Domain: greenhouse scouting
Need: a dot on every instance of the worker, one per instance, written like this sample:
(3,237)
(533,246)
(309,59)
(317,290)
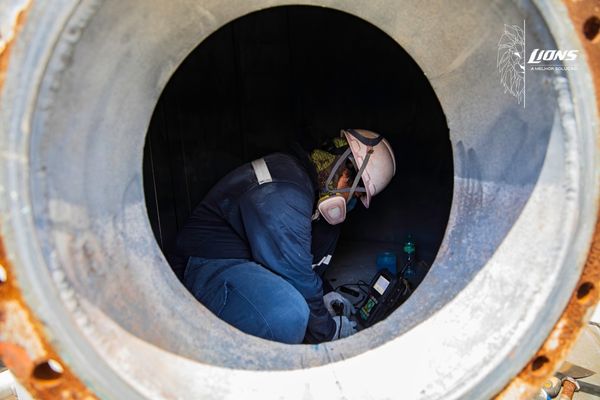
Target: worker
(260,239)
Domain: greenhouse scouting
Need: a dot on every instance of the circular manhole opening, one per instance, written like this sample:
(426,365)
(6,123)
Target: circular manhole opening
(290,78)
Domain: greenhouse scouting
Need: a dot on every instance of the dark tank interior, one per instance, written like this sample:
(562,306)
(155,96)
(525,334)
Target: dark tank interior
(300,74)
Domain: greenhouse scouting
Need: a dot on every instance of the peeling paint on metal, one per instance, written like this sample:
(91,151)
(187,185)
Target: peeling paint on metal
(23,346)
(12,16)
(566,331)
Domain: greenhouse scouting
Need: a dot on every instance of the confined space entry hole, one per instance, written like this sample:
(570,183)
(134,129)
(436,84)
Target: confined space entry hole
(584,290)
(222,128)
(537,366)
(48,370)
(591,27)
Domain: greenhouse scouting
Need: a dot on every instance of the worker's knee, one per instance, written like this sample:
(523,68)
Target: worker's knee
(251,298)
(288,318)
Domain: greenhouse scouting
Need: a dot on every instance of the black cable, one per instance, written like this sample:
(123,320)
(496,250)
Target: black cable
(338,307)
(361,298)
(359,284)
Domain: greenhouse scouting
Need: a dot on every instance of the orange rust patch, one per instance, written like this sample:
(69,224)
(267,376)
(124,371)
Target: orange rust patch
(23,346)
(16,357)
(5,53)
(566,331)
(584,14)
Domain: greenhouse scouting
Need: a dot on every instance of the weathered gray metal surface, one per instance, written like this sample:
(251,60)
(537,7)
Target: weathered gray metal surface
(8,15)
(75,226)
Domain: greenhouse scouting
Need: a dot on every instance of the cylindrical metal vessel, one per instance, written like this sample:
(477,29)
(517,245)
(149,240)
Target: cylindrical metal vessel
(90,306)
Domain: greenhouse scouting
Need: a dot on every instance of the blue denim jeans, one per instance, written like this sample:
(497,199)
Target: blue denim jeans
(249,297)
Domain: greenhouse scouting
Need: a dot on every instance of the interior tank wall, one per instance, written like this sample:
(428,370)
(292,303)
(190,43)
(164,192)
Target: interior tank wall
(92,221)
(78,230)
(264,81)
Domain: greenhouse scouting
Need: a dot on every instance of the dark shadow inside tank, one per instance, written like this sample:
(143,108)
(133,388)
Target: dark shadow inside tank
(300,74)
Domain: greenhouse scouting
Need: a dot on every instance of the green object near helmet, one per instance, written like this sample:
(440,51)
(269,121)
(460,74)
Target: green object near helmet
(322,159)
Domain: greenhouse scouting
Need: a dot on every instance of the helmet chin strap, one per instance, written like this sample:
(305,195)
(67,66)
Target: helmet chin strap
(360,172)
(335,168)
(337,165)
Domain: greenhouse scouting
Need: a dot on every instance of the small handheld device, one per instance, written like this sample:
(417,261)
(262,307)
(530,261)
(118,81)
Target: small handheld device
(386,292)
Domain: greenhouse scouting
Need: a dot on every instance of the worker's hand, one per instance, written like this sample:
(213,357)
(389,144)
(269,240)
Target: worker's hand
(331,298)
(343,327)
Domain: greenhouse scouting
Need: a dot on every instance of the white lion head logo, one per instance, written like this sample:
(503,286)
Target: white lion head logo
(511,61)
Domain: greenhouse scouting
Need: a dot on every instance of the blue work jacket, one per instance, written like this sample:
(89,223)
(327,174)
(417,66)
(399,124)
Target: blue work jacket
(270,224)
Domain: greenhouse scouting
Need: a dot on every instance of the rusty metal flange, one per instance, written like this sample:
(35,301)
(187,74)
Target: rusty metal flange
(27,351)
(585,19)
(24,348)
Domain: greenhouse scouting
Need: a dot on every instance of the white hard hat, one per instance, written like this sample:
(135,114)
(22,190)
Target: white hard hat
(381,163)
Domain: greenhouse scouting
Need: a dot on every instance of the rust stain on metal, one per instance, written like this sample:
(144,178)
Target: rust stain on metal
(7,42)
(566,331)
(583,14)
(570,386)
(23,346)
